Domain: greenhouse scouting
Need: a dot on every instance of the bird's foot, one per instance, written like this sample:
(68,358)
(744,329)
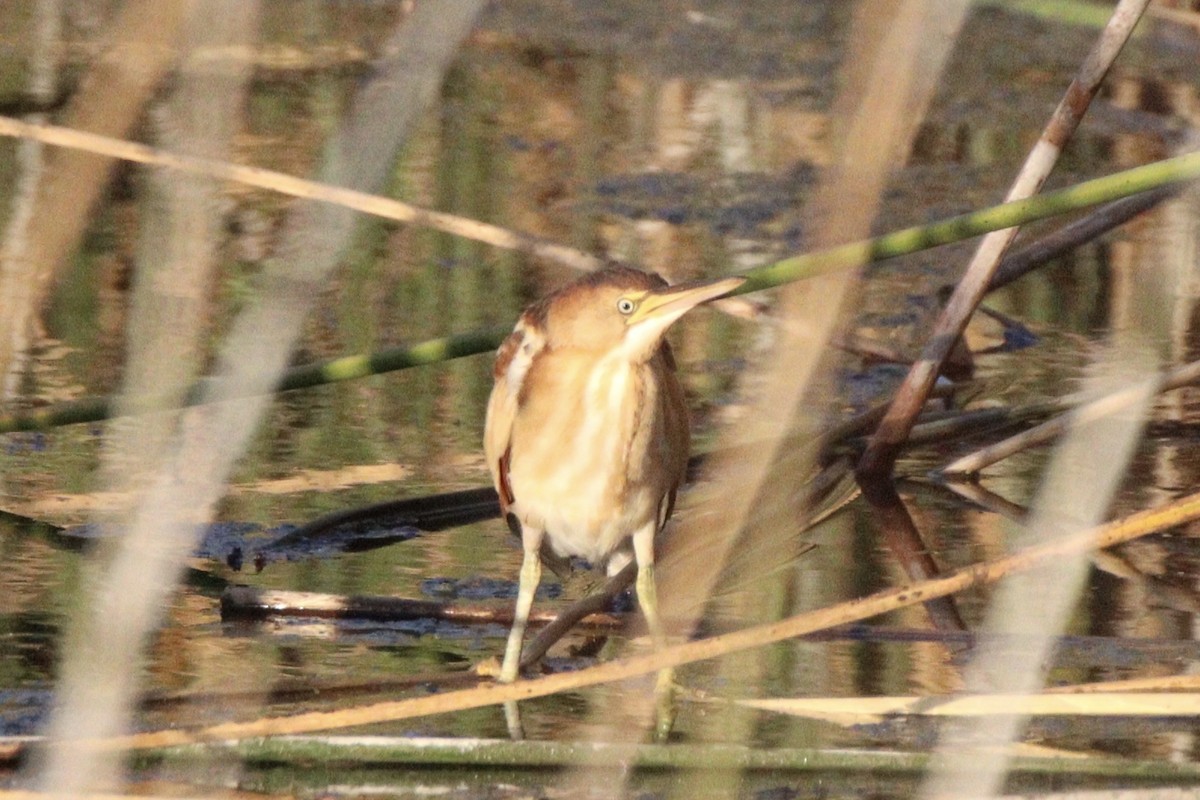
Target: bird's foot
(488,668)
(665,706)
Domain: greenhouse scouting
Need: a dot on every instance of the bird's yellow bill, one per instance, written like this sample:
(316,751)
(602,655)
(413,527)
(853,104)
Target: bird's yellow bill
(673,301)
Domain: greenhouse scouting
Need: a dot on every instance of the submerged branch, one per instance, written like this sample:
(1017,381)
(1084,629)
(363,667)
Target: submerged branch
(1144,523)
(246,602)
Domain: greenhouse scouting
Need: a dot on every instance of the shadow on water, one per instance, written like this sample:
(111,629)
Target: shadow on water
(685,143)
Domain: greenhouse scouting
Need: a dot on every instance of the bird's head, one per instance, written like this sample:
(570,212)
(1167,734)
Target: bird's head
(623,309)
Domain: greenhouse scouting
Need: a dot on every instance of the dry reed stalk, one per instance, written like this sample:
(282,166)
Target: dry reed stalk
(385,208)
(881,453)
(159,534)
(177,254)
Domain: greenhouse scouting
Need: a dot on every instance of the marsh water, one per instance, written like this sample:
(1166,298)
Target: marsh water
(684,139)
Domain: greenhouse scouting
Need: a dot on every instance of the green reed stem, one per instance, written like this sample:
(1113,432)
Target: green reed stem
(903,242)
(967,226)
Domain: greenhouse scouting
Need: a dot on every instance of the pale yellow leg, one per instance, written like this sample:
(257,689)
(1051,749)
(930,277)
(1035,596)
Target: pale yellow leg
(531,576)
(647,592)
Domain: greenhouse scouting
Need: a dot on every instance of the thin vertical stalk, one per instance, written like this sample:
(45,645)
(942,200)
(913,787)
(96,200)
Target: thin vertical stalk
(141,47)
(757,503)
(972,757)
(161,530)
(176,256)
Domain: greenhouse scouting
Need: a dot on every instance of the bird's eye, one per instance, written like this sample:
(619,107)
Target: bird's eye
(626,306)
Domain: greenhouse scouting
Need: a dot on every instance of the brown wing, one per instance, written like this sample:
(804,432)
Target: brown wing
(679,429)
(666,508)
(512,363)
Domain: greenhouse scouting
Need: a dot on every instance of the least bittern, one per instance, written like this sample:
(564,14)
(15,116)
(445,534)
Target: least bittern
(587,429)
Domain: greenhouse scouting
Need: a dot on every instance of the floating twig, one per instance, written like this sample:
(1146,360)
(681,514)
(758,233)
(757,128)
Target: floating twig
(857,710)
(248,602)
